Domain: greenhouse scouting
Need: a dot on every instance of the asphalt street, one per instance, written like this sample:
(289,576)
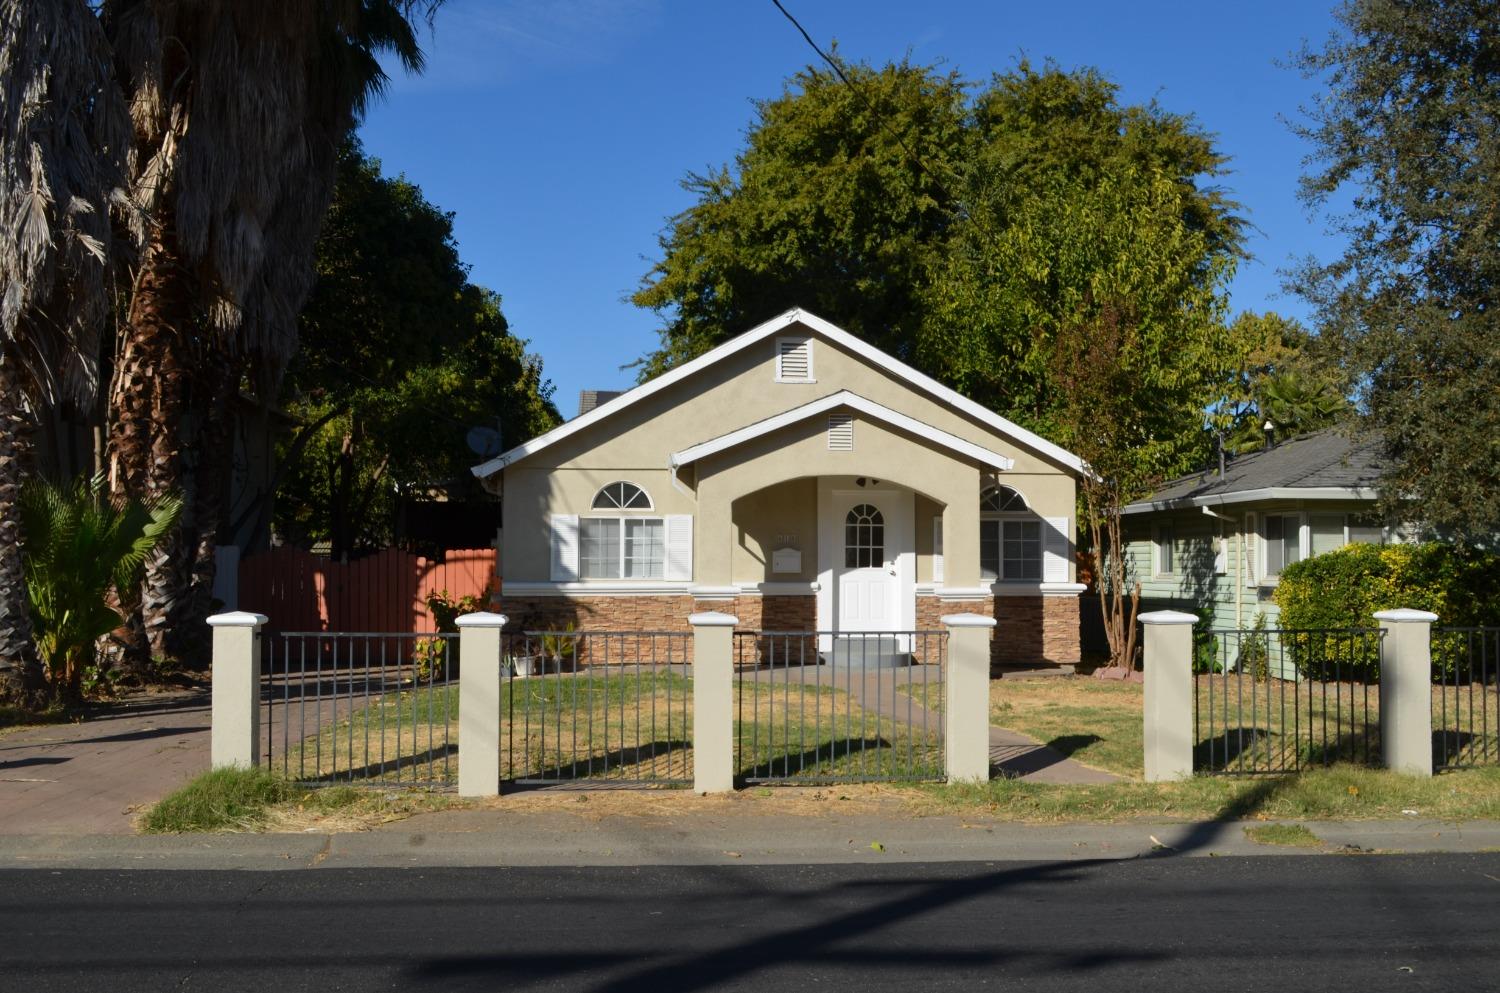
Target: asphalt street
(1368,923)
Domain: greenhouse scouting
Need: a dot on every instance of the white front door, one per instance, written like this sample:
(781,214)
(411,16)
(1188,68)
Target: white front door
(869,582)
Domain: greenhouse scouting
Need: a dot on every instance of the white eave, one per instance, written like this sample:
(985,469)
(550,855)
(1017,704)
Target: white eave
(834,334)
(1262,495)
(843,399)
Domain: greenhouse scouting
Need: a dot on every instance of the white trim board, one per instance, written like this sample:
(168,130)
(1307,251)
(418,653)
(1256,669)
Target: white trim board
(853,401)
(759,333)
(1265,493)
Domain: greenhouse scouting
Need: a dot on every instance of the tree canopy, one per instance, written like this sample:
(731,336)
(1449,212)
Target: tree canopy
(400,356)
(958,227)
(1407,125)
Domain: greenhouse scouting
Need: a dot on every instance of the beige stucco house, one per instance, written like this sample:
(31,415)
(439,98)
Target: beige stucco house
(803,481)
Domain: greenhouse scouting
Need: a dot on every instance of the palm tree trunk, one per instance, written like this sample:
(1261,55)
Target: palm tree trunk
(148,400)
(21,677)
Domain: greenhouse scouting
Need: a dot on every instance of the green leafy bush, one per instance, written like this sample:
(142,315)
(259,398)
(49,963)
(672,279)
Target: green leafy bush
(82,548)
(1344,588)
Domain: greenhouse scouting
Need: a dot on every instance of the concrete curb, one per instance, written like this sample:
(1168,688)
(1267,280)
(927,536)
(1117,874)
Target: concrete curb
(560,840)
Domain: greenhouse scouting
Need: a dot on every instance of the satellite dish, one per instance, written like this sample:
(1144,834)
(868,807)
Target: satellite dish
(484,442)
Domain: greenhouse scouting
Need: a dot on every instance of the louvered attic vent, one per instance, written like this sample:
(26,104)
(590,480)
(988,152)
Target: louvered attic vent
(840,433)
(794,360)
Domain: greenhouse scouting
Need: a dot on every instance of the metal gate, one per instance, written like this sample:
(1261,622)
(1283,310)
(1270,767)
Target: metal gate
(597,707)
(839,708)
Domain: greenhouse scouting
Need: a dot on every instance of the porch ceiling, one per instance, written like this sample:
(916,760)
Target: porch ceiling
(844,399)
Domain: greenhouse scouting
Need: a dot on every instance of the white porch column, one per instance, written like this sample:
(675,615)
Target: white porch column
(234,738)
(1406,690)
(966,705)
(713,701)
(1169,694)
(479,653)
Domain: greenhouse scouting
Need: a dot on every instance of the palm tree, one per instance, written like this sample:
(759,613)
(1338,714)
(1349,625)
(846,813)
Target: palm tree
(239,112)
(63,133)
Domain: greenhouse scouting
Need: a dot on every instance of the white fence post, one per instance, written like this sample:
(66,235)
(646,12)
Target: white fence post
(713,701)
(234,739)
(479,703)
(1406,690)
(1168,711)
(966,705)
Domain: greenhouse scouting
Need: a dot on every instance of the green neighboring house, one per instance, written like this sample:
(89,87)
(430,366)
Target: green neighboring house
(1213,542)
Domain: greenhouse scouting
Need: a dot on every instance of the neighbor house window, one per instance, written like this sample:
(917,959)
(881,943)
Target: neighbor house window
(1283,542)
(624,545)
(1165,562)
(1010,537)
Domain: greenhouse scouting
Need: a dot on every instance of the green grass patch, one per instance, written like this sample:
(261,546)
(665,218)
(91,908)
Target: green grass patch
(13,719)
(1286,835)
(1340,792)
(219,800)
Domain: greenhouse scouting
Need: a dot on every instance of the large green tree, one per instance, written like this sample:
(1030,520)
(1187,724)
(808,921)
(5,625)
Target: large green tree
(839,202)
(930,224)
(1279,374)
(400,355)
(1409,127)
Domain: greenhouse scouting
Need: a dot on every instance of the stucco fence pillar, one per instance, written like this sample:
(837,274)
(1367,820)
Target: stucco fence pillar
(1406,690)
(479,653)
(966,704)
(234,736)
(1168,711)
(713,701)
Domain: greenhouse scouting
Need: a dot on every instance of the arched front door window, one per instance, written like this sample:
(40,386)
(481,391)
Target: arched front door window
(864,538)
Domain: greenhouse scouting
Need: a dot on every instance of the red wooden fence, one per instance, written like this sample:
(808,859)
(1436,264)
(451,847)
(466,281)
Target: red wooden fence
(385,592)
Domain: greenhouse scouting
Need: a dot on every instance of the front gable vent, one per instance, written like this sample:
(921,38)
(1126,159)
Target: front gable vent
(794,360)
(840,433)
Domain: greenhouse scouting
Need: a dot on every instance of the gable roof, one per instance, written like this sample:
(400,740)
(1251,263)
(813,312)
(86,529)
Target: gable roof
(759,333)
(1324,465)
(853,401)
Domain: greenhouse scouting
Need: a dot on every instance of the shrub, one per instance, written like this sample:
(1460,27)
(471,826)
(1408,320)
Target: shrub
(1343,589)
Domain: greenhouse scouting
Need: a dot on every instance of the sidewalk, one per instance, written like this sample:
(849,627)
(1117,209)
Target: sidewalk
(501,838)
(89,778)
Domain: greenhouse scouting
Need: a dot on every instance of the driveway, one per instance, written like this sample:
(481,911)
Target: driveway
(89,778)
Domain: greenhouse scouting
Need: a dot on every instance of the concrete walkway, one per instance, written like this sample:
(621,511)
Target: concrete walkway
(89,778)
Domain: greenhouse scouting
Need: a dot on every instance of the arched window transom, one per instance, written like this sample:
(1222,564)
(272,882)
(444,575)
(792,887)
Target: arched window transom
(1000,500)
(622,496)
(864,538)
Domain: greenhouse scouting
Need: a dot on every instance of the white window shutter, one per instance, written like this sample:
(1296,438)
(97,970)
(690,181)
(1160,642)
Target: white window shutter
(937,549)
(1057,545)
(840,433)
(679,547)
(564,529)
(1251,550)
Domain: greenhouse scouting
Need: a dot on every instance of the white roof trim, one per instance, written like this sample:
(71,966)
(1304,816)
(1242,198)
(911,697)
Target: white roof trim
(759,333)
(1254,496)
(853,401)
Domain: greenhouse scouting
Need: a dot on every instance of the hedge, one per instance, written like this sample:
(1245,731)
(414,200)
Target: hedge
(1344,588)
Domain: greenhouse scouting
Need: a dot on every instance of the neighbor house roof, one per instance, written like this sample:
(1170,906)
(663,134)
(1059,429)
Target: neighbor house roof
(1325,465)
(835,401)
(817,324)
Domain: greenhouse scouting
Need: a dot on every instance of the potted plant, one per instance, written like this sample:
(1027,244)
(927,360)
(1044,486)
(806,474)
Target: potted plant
(560,648)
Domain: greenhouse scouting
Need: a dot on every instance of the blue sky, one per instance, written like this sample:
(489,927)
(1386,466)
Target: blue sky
(558,131)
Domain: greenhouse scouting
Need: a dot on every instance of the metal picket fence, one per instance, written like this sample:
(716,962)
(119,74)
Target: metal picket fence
(814,708)
(1280,700)
(360,707)
(597,707)
(1466,697)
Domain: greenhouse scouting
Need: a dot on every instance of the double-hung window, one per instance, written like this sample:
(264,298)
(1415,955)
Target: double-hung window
(1010,537)
(617,542)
